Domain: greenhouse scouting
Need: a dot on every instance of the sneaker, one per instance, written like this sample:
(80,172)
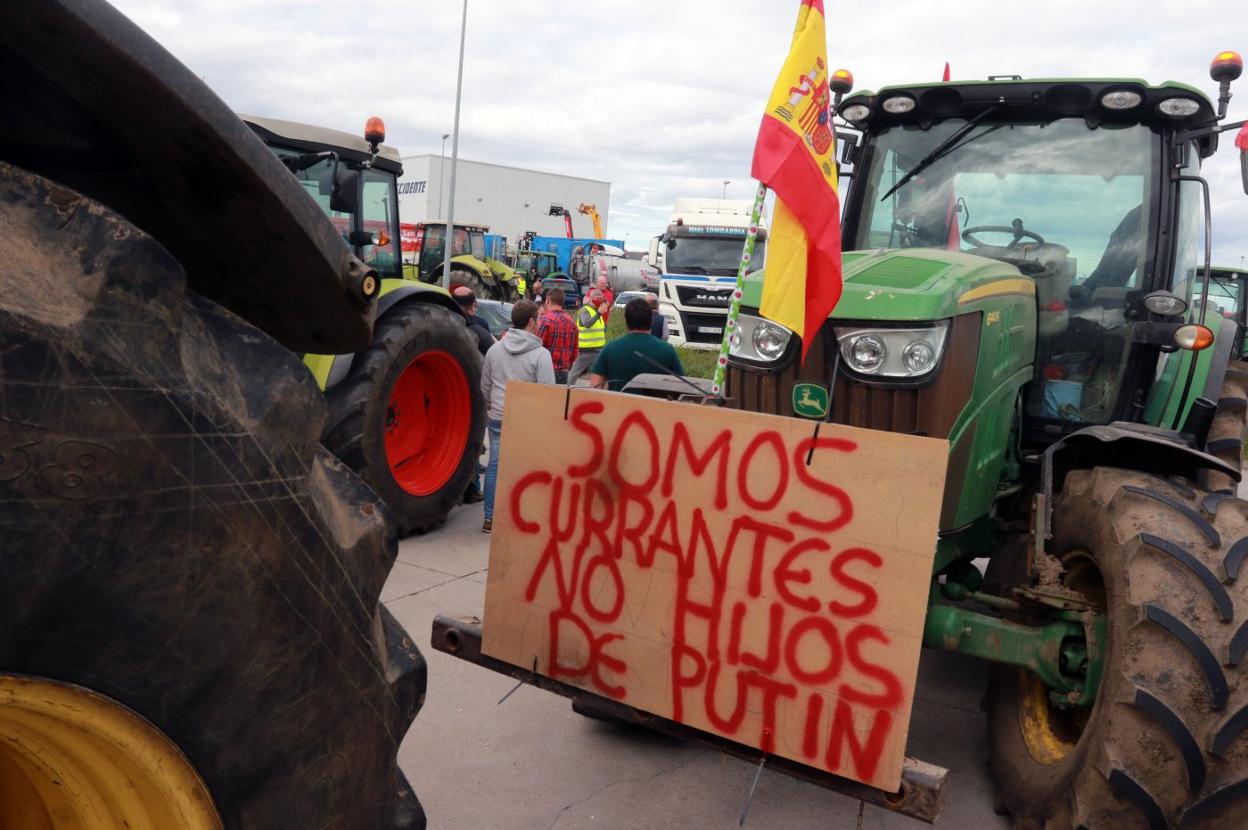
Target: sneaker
(473,497)
(485,528)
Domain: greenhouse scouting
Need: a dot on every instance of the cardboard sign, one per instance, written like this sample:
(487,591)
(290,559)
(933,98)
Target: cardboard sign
(739,573)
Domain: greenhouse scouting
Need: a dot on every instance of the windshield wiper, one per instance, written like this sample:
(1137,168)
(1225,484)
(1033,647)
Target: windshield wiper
(942,149)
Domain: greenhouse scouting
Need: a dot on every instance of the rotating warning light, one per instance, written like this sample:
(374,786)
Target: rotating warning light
(374,131)
(1226,67)
(841,82)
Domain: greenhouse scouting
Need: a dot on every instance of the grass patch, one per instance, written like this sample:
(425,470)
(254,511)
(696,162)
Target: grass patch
(698,363)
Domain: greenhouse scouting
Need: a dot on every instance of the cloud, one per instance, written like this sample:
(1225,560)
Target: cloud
(658,97)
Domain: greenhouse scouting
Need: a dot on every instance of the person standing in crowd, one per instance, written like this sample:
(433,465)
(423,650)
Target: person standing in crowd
(518,356)
(608,296)
(591,329)
(533,287)
(658,326)
(480,329)
(558,333)
(635,353)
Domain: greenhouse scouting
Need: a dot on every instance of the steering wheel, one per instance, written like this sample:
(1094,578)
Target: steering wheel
(1016,229)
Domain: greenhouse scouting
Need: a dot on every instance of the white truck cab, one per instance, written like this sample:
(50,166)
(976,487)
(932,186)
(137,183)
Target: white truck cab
(698,257)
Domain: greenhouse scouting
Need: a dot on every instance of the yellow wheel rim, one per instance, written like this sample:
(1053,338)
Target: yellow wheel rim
(1051,734)
(71,759)
(1035,719)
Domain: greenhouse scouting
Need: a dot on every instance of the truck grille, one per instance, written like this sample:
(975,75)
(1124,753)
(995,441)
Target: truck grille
(702,328)
(695,296)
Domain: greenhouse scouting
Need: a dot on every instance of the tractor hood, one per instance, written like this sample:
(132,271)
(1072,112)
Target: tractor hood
(92,102)
(912,284)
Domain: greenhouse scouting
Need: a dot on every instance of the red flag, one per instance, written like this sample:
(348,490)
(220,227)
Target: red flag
(795,157)
(946,76)
(1241,140)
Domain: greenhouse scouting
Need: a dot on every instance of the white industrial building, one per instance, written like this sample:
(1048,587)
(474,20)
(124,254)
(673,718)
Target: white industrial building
(510,200)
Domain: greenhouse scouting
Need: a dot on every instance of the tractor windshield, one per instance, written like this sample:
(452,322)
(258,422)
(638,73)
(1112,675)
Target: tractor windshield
(379,217)
(1058,183)
(543,264)
(468,241)
(1064,203)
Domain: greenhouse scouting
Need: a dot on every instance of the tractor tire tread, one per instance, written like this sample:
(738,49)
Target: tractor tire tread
(1229,730)
(1158,750)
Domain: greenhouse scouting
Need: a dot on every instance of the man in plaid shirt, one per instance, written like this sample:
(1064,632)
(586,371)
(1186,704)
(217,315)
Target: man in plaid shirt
(558,332)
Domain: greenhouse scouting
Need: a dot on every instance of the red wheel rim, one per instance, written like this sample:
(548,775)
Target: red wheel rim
(427,420)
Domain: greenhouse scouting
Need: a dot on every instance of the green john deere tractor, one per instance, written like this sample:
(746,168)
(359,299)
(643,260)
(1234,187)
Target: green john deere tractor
(1023,262)
(470,265)
(407,412)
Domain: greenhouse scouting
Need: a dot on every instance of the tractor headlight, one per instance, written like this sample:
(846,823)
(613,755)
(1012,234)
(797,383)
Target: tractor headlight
(898,104)
(867,353)
(907,354)
(1179,107)
(1121,99)
(856,113)
(759,340)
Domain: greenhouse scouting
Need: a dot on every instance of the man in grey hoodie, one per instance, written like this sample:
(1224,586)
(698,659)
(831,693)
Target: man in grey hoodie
(519,355)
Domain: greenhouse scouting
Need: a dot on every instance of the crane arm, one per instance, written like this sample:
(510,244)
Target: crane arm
(592,212)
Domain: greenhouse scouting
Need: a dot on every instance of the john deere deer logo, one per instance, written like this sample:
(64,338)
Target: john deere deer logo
(810,400)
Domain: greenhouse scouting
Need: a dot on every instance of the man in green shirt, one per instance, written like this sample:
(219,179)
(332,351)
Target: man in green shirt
(636,353)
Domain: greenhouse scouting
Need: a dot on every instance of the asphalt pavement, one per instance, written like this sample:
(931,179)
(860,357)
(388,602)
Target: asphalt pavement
(533,763)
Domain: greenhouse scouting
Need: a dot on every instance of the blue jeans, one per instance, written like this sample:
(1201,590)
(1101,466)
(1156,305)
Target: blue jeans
(491,472)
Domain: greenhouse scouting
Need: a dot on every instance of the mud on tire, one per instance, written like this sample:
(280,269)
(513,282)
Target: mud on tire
(175,537)
(1166,743)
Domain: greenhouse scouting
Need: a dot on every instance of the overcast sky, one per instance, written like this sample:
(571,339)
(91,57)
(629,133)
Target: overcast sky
(660,97)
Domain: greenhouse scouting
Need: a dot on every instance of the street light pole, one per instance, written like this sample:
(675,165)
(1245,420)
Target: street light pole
(726,183)
(450,210)
(442,177)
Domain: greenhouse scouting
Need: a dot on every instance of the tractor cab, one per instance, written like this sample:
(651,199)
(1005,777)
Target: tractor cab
(536,263)
(1081,187)
(471,263)
(1021,262)
(467,240)
(354,180)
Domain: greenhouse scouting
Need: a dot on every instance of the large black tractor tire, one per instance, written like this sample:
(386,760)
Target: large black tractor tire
(1166,743)
(174,537)
(1230,424)
(410,416)
(471,279)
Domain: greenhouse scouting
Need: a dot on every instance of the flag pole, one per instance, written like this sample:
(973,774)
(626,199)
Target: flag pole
(734,307)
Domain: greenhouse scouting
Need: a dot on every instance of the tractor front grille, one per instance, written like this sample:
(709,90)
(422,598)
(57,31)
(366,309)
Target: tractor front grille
(929,410)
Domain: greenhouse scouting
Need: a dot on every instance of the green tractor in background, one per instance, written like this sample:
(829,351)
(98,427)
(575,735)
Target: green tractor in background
(489,278)
(1023,267)
(1229,297)
(406,413)
(534,266)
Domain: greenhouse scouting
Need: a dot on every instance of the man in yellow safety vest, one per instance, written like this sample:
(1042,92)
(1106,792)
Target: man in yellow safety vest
(591,331)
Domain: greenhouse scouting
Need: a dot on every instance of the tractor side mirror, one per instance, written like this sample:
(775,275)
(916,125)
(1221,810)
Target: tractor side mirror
(345,196)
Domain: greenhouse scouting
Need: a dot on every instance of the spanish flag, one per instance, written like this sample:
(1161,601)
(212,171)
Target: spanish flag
(795,157)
